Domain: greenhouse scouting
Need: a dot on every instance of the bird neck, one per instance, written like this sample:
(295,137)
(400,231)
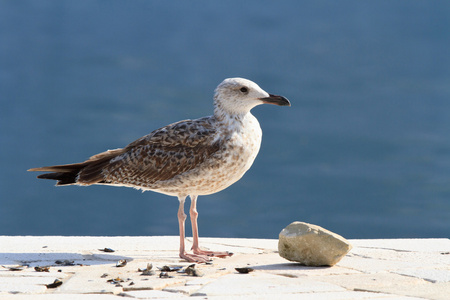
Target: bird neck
(226,117)
(235,122)
(223,114)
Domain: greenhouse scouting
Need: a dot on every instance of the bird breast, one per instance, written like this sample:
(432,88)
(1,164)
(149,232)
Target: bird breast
(240,143)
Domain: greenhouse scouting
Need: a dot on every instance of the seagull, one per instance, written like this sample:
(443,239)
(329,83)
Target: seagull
(187,158)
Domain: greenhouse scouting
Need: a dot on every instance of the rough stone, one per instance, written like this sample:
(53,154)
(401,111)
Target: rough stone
(312,245)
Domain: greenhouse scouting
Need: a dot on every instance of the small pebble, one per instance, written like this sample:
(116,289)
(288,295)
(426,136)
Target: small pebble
(147,271)
(107,250)
(55,284)
(42,269)
(115,280)
(149,267)
(245,270)
(170,269)
(192,271)
(121,263)
(165,275)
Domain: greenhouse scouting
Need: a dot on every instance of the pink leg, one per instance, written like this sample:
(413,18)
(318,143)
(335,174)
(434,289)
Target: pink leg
(195,247)
(181,220)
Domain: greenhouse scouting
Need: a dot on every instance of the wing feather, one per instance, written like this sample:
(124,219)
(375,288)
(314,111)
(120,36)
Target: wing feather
(159,156)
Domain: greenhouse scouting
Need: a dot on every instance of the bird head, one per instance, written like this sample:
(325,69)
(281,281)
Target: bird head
(239,96)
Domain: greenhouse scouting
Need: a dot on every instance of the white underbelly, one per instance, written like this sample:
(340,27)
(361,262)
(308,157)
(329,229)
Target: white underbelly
(216,174)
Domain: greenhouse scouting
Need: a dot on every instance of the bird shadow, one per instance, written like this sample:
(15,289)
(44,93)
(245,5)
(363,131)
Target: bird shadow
(59,259)
(288,267)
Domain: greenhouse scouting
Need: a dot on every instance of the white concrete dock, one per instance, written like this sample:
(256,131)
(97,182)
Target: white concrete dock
(374,269)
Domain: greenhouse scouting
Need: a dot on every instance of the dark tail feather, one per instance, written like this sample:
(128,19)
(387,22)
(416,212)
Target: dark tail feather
(65,174)
(63,178)
(84,173)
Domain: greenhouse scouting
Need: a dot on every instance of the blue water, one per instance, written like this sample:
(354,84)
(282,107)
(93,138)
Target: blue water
(364,150)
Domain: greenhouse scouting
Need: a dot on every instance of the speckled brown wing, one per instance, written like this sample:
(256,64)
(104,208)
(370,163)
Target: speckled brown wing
(159,156)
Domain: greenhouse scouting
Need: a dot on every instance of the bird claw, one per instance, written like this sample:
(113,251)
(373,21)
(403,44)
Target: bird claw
(195,258)
(222,254)
(203,256)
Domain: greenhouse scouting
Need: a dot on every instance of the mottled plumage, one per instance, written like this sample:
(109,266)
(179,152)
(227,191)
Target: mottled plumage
(191,157)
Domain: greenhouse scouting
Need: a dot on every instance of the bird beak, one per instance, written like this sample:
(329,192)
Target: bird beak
(277,100)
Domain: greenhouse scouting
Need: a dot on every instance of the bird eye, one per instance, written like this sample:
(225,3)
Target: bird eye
(244,89)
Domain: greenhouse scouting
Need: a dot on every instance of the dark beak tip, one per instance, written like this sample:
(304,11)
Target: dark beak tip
(276,100)
(287,103)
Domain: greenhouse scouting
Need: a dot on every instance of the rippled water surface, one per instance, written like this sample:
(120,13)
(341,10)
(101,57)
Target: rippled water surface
(363,151)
